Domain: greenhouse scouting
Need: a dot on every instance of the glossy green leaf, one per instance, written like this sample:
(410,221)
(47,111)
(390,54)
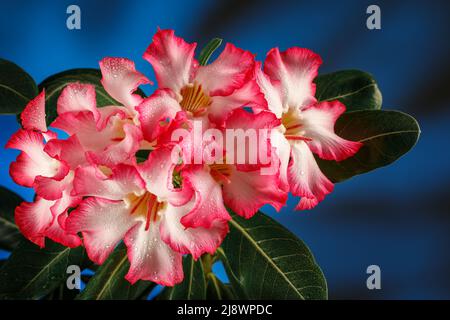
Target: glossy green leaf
(208,50)
(109,281)
(142,155)
(56,83)
(217,290)
(62,293)
(357,90)
(17,88)
(10,235)
(264,260)
(386,135)
(193,286)
(32,273)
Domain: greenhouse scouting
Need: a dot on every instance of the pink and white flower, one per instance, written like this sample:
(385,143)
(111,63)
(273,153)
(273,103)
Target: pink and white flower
(48,172)
(210,91)
(160,208)
(307,125)
(234,175)
(142,207)
(109,135)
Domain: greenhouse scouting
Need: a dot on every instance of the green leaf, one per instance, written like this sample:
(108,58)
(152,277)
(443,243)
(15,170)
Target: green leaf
(10,235)
(208,50)
(62,293)
(56,83)
(142,155)
(17,88)
(32,273)
(357,90)
(109,281)
(264,260)
(217,290)
(386,136)
(193,286)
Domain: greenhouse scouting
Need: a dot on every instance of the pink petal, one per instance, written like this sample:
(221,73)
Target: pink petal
(57,231)
(258,128)
(295,69)
(33,161)
(318,124)
(49,135)
(242,119)
(151,258)
(172,59)
(109,112)
(77,97)
(121,151)
(66,201)
(52,189)
(33,219)
(84,126)
(103,224)
(249,95)
(230,71)
(115,143)
(125,179)
(33,116)
(156,113)
(305,178)
(70,151)
(58,234)
(248,191)
(283,152)
(208,200)
(165,136)
(120,79)
(271,91)
(157,173)
(195,241)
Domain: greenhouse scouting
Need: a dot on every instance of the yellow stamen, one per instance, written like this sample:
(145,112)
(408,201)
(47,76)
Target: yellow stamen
(221,172)
(293,123)
(194,100)
(146,206)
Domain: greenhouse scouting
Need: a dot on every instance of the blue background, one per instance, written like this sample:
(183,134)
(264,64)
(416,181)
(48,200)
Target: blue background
(395,217)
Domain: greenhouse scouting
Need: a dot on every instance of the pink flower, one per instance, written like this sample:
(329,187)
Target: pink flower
(48,169)
(307,125)
(109,135)
(230,175)
(164,208)
(211,91)
(142,207)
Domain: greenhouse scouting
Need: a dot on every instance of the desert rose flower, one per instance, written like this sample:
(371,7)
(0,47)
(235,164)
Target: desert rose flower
(111,134)
(307,125)
(232,158)
(210,91)
(46,167)
(142,207)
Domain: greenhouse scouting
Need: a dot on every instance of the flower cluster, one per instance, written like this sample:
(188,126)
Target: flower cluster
(173,202)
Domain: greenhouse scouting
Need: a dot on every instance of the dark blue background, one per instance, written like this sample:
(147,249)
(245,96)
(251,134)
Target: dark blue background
(396,217)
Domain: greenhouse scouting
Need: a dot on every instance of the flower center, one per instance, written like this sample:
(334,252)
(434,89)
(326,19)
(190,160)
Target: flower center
(194,99)
(118,130)
(220,172)
(146,206)
(293,125)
